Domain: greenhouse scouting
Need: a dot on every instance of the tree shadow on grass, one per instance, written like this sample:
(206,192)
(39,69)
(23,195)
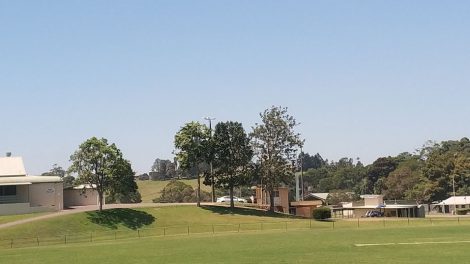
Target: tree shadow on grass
(224,210)
(129,218)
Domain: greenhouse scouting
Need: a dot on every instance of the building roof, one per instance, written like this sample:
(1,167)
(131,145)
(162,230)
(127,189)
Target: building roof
(456,200)
(23,180)
(319,196)
(11,166)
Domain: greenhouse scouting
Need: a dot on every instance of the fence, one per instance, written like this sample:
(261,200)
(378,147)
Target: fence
(187,230)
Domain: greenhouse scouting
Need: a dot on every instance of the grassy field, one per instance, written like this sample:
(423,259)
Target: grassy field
(151,189)
(430,244)
(173,217)
(187,234)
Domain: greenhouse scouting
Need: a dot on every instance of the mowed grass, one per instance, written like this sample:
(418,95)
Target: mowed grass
(11,218)
(150,190)
(175,218)
(305,246)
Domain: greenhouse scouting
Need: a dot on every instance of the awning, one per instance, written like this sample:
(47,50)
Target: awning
(14,183)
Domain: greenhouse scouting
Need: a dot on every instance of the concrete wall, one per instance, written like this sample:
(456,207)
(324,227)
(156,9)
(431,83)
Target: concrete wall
(74,197)
(46,196)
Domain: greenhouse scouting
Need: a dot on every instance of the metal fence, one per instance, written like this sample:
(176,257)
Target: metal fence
(187,230)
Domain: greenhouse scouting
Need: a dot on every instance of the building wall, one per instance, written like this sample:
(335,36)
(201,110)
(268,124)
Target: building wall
(74,197)
(14,208)
(46,196)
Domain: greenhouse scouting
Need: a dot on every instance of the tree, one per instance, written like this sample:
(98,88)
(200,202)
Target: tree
(123,187)
(55,171)
(191,143)
(100,165)
(179,192)
(276,144)
(232,155)
(59,171)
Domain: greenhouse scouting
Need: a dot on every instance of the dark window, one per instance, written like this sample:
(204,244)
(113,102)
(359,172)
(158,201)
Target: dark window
(9,190)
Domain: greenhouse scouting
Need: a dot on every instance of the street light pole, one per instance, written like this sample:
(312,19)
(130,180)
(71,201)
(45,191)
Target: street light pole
(210,162)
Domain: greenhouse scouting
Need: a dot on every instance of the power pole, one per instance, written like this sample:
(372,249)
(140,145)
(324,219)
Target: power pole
(210,162)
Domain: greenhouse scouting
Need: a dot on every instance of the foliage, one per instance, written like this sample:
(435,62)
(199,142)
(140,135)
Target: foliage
(163,169)
(276,144)
(102,166)
(55,171)
(336,197)
(232,156)
(321,213)
(180,192)
(193,147)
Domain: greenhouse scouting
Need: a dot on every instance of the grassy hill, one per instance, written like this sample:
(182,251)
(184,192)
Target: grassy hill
(151,189)
(124,220)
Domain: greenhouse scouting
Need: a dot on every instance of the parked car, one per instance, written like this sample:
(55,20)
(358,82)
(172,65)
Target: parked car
(374,214)
(224,199)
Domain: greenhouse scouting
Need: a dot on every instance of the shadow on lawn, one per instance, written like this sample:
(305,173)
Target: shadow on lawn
(129,218)
(243,211)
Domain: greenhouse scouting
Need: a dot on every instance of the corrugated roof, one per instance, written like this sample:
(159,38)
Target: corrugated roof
(11,166)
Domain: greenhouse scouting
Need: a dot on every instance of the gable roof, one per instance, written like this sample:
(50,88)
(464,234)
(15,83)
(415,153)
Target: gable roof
(12,166)
(457,200)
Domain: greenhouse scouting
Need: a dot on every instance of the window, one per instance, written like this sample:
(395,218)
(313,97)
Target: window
(9,190)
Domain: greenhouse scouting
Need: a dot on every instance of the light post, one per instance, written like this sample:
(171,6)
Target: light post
(210,161)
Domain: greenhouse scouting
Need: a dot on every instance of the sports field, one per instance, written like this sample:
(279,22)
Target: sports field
(377,241)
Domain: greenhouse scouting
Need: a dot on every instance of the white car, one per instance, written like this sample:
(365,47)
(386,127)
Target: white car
(224,199)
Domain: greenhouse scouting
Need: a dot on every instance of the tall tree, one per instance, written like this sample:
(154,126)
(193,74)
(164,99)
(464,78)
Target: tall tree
(276,144)
(191,143)
(98,164)
(232,156)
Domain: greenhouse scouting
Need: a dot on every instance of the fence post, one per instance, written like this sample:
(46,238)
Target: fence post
(310,223)
(358,223)
(91,236)
(138,233)
(333,224)
(11,243)
(238,228)
(188,230)
(286,226)
(164,231)
(408,221)
(213,231)
(65,239)
(261,225)
(458,220)
(384,222)
(37,241)
(115,235)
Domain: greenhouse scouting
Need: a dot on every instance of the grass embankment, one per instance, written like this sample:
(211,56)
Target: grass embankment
(150,190)
(11,218)
(174,217)
(306,246)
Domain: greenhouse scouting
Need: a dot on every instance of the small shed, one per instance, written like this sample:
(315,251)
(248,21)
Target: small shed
(81,195)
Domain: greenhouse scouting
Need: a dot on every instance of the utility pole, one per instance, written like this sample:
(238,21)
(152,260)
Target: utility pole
(210,162)
(302,172)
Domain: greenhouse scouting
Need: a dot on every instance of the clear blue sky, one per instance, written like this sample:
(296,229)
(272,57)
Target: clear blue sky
(364,78)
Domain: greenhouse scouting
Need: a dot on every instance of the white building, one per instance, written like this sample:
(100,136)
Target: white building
(21,193)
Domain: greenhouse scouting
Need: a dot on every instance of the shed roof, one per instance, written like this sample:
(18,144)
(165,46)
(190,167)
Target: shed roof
(22,180)
(11,166)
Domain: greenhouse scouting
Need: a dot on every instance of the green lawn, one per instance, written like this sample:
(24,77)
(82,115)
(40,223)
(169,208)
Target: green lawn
(297,246)
(11,218)
(151,189)
(175,218)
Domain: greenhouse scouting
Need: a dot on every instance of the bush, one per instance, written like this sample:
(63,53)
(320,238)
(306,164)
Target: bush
(462,211)
(321,213)
(180,192)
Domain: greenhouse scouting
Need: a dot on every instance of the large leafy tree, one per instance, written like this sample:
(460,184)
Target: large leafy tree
(276,144)
(232,154)
(191,143)
(100,165)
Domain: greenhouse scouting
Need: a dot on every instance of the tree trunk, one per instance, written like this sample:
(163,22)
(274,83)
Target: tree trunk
(198,192)
(271,201)
(100,200)
(232,204)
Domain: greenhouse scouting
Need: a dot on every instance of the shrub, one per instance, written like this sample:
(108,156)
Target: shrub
(462,211)
(180,192)
(321,213)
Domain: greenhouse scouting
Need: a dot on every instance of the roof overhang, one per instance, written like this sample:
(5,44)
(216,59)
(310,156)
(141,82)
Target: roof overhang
(14,183)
